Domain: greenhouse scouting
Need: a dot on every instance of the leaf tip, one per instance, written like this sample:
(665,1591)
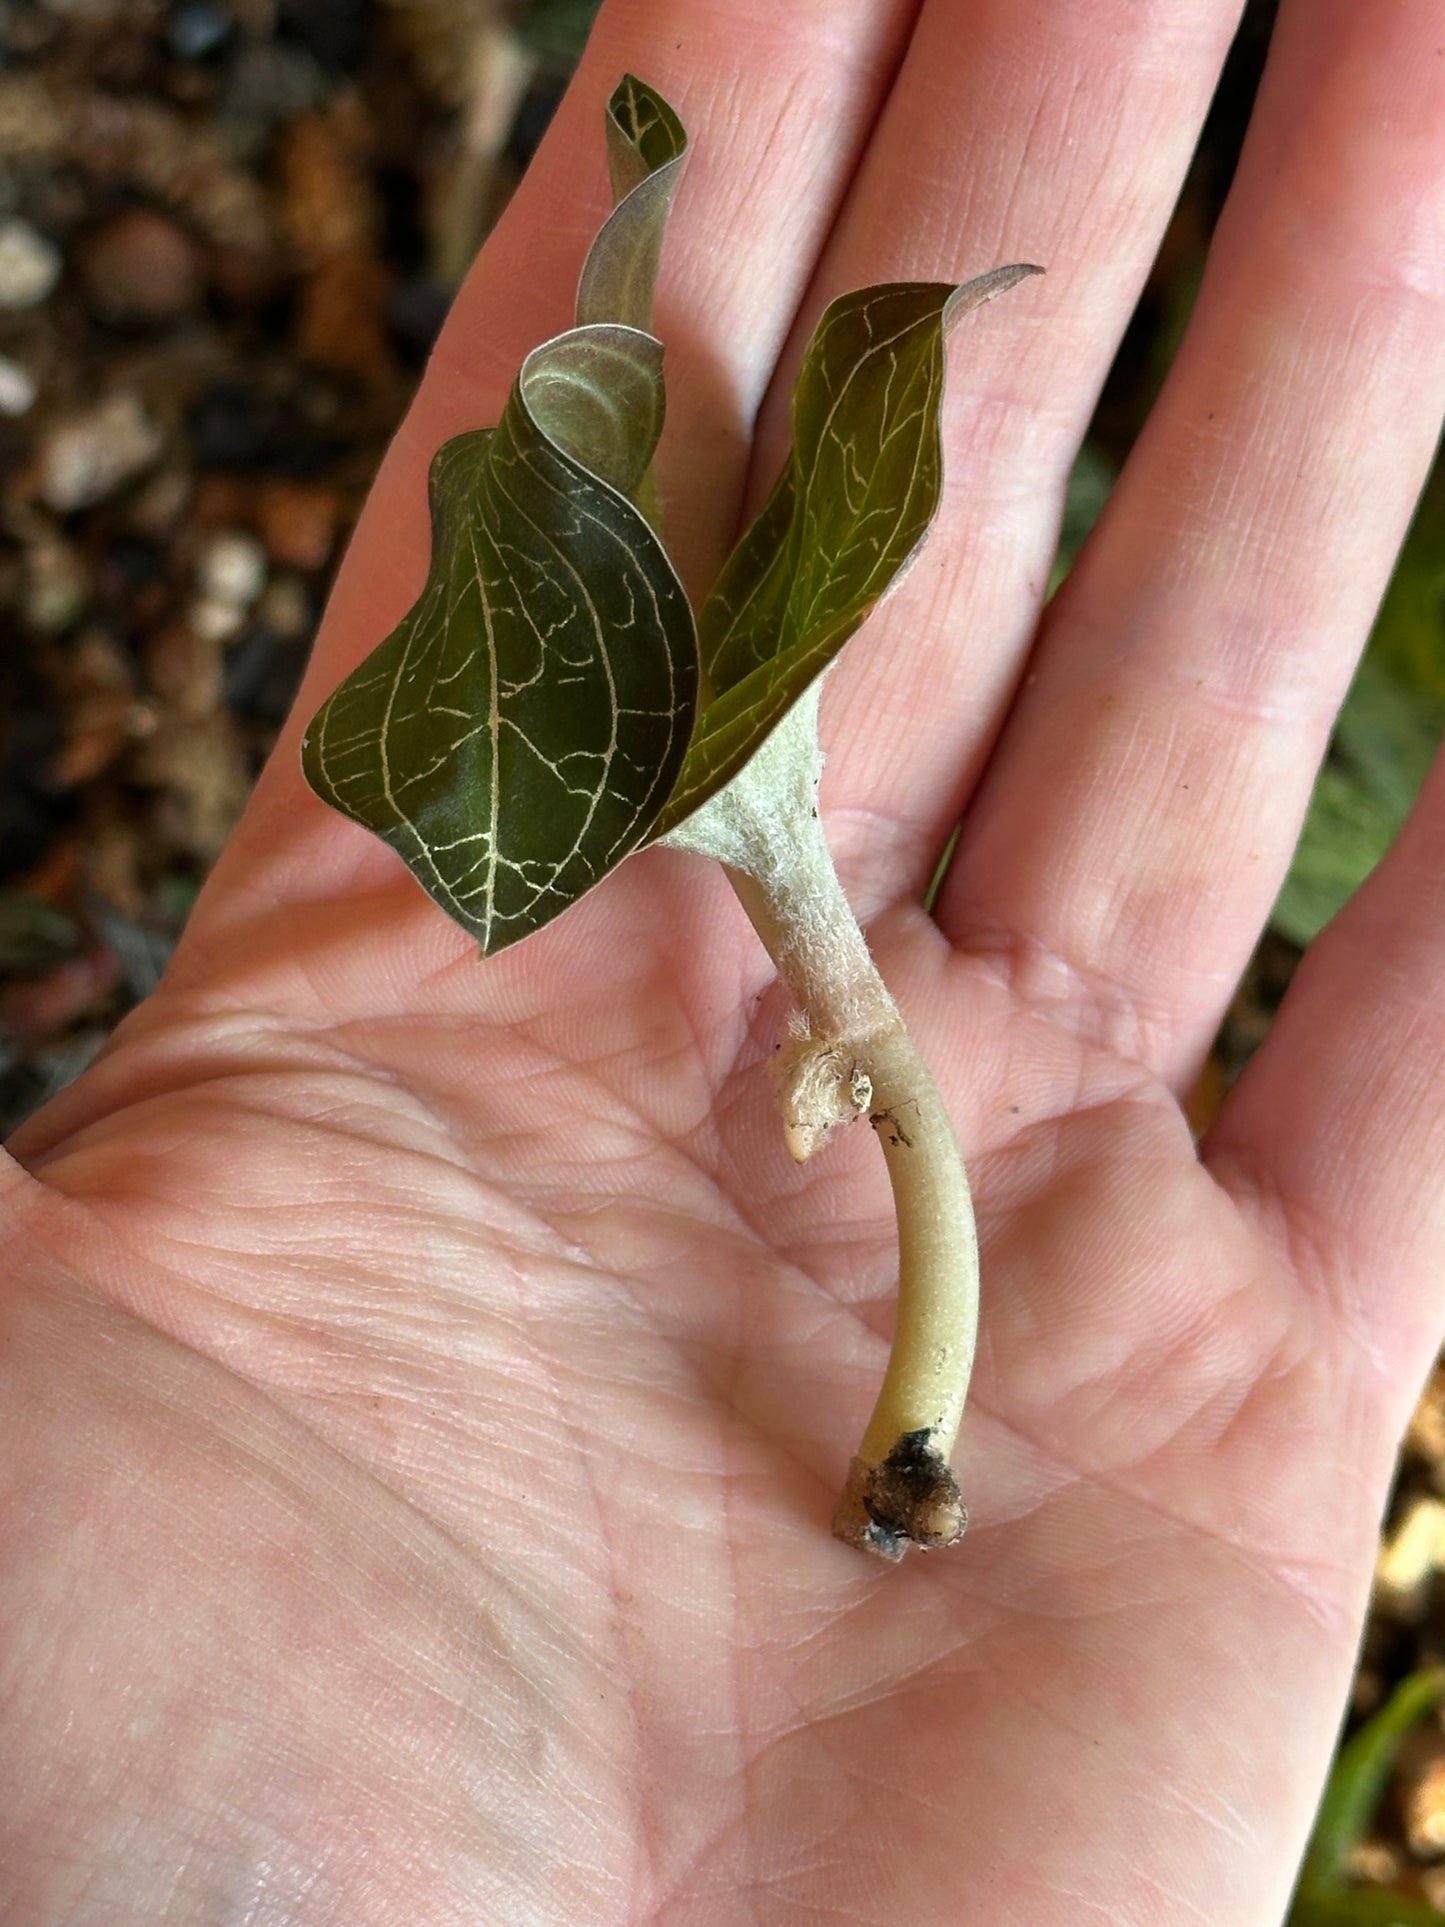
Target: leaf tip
(987,287)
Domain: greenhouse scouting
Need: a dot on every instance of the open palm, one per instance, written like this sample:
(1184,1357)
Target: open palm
(427,1381)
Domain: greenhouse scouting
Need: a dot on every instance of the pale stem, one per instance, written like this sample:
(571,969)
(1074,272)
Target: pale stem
(850,1054)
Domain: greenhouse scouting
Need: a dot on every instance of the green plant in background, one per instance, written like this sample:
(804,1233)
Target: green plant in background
(1324,1896)
(549,706)
(1386,736)
(1387,733)
(34,935)
(556,31)
(1090,480)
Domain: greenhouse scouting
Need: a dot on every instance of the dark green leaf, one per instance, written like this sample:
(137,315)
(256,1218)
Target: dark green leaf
(521,730)
(514,736)
(646,148)
(854,501)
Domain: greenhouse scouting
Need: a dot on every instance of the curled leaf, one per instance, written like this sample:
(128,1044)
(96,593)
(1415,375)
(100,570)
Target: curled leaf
(597,393)
(534,718)
(854,501)
(646,148)
(515,735)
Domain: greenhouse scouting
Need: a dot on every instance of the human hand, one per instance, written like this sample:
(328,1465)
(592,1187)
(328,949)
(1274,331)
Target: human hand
(427,1381)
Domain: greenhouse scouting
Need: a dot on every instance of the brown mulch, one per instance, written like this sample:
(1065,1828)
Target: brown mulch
(226,233)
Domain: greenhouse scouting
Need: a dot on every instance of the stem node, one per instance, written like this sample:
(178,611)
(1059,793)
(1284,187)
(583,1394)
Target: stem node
(820,1085)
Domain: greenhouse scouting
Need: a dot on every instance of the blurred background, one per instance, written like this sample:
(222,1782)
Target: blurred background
(229,230)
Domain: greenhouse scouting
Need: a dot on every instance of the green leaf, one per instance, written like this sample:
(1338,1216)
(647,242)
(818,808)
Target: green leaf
(1346,833)
(532,719)
(1360,1907)
(515,735)
(1386,736)
(854,501)
(1091,480)
(1324,1896)
(556,30)
(597,393)
(1390,725)
(646,148)
(1357,1782)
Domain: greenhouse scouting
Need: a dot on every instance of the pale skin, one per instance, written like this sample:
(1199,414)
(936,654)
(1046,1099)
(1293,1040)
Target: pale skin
(426,1383)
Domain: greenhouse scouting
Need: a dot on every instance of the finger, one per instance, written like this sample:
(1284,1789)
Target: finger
(1141,810)
(778,103)
(1335,1134)
(1058,135)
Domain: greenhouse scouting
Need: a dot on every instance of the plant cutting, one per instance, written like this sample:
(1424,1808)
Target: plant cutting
(550,705)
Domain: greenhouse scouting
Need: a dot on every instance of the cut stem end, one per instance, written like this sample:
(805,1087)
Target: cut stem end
(911,1498)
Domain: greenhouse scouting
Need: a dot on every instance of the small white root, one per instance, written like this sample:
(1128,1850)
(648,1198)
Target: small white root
(820,1085)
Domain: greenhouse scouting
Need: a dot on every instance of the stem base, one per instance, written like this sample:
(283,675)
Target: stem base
(910,1498)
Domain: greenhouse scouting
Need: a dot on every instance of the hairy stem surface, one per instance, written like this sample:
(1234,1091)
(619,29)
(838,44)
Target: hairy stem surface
(850,1055)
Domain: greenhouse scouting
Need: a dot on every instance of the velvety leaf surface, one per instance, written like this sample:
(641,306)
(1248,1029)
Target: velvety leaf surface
(514,736)
(646,148)
(853,503)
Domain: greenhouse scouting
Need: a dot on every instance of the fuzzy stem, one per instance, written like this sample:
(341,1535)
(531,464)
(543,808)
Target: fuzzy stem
(849,1054)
